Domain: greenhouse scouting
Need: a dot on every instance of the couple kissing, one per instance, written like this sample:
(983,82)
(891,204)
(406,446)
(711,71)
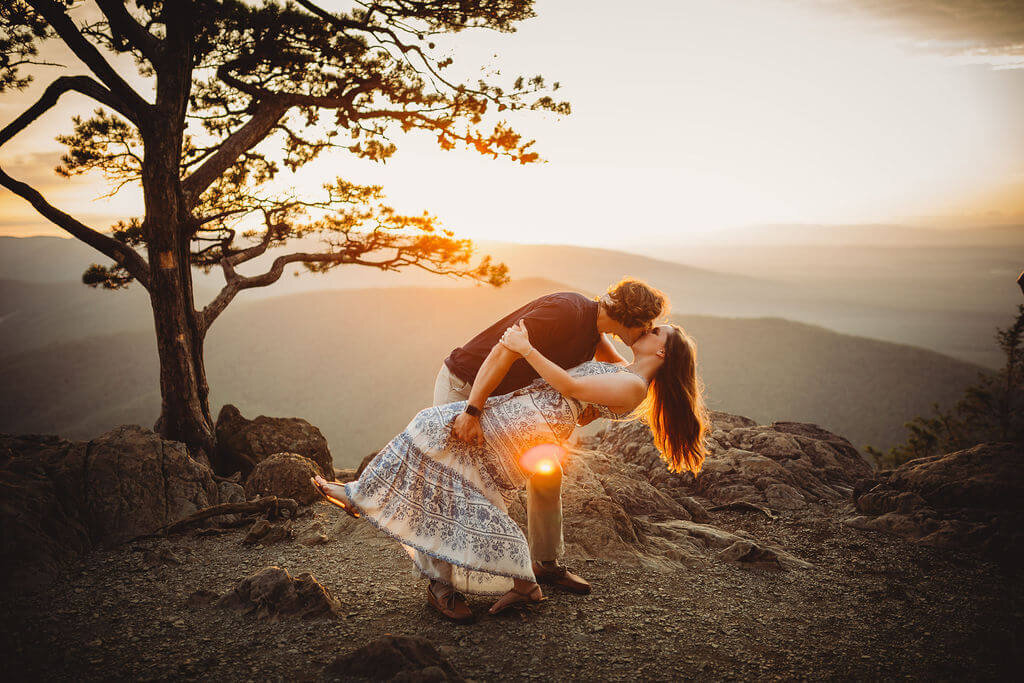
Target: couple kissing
(505,403)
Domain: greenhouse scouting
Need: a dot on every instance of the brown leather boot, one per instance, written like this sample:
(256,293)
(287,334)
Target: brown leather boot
(448,602)
(559,575)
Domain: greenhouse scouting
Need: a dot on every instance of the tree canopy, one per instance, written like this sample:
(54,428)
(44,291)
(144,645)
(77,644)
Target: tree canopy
(243,80)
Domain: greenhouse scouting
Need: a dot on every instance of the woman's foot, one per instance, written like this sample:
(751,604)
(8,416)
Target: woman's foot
(334,493)
(522,592)
(448,602)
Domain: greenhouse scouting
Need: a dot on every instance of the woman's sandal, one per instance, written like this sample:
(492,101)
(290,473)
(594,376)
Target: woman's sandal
(320,484)
(526,598)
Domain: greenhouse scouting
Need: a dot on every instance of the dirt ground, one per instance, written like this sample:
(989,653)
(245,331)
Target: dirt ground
(873,607)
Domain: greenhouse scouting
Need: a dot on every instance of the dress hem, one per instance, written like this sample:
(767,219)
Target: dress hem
(437,556)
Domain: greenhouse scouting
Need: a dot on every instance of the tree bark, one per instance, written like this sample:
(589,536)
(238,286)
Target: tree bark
(185,412)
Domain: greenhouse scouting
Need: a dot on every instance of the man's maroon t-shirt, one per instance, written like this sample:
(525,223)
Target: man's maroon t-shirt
(562,326)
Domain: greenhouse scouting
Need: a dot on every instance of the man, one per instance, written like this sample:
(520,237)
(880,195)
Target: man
(569,329)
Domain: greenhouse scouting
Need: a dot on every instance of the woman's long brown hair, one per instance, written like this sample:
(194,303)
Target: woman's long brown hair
(674,408)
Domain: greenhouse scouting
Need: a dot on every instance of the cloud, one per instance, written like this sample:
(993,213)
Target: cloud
(36,170)
(974,31)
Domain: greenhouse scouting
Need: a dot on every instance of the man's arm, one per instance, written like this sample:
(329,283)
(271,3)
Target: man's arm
(620,391)
(491,372)
(606,352)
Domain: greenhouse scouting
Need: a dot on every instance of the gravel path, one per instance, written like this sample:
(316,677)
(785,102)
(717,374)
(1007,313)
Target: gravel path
(873,607)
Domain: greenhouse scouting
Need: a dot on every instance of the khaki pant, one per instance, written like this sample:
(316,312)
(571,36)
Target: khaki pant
(543,491)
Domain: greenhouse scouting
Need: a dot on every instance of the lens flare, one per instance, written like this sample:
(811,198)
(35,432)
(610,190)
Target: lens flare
(542,459)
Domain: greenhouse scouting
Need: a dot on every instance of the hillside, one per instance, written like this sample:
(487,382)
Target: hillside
(360,363)
(949,299)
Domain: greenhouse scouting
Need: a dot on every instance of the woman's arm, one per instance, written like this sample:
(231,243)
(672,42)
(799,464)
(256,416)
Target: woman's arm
(621,390)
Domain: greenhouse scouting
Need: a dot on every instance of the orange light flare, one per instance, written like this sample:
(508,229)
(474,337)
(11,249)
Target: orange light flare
(543,458)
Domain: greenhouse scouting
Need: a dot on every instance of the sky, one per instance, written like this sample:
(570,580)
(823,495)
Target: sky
(688,117)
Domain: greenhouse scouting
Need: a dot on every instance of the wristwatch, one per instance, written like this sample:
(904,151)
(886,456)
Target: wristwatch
(472,410)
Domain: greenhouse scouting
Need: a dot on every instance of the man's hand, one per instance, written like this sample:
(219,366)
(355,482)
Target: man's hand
(588,415)
(467,428)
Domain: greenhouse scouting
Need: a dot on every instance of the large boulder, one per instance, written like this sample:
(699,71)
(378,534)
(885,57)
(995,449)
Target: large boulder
(285,475)
(611,511)
(242,443)
(782,466)
(62,498)
(972,499)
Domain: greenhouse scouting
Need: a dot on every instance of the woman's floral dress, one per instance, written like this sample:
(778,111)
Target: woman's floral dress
(444,499)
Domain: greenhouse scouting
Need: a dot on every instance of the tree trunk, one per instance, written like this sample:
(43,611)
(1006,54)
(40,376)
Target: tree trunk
(185,411)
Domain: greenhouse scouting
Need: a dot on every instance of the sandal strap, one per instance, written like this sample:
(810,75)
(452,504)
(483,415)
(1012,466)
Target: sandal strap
(528,593)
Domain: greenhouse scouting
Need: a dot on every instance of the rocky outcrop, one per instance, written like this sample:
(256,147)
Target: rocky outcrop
(61,498)
(782,466)
(285,475)
(612,512)
(242,443)
(273,592)
(971,499)
(395,658)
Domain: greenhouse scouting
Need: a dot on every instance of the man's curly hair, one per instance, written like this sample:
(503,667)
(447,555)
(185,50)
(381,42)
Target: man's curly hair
(634,303)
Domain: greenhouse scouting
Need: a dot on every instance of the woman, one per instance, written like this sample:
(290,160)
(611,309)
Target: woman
(443,498)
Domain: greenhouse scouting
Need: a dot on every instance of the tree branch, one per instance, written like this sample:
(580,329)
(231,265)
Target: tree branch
(122,23)
(55,14)
(82,84)
(268,113)
(124,255)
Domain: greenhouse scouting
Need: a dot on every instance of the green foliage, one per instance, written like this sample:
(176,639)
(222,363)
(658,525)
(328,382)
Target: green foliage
(991,410)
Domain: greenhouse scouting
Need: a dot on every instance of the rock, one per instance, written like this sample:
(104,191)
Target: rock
(62,498)
(314,535)
(285,475)
(345,475)
(242,443)
(266,533)
(231,492)
(736,549)
(784,497)
(395,658)
(720,420)
(784,466)
(971,499)
(610,510)
(42,532)
(273,592)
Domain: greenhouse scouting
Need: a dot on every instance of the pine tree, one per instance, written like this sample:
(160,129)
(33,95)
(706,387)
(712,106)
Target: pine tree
(232,80)
(991,410)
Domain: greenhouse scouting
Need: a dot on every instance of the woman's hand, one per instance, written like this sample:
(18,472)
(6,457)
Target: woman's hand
(517,339)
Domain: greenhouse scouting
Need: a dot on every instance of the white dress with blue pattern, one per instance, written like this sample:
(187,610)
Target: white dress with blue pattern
(443,499)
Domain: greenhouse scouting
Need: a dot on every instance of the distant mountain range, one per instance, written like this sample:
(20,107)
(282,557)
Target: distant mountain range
(948,299)
(360,363)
